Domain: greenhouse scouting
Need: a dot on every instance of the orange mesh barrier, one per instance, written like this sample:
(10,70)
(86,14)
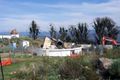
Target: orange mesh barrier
(6,62)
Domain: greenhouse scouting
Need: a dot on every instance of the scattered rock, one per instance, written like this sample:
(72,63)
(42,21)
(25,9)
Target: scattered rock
(106,62)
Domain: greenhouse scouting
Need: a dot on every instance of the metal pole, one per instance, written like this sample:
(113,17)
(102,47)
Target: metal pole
(1,69)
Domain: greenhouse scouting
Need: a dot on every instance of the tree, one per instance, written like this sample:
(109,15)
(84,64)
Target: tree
(105,27)
(34,30)
(72,32)
(82,33)
(79,34)
(53,32)
(63,33)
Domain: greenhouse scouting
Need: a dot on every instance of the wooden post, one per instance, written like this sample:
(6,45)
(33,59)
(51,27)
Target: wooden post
(1,68)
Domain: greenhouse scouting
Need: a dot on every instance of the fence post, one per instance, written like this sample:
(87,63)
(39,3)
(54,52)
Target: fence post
(1,68)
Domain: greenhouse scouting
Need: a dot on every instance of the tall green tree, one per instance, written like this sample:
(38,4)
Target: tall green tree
(79,34)
(34,30)
(105,27)
(82,33)
(63,33)
(53,32)
(72,32)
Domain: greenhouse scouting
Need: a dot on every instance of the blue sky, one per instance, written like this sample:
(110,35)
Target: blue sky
(19,13)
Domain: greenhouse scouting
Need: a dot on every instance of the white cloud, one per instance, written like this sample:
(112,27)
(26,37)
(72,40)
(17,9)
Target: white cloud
(62,15)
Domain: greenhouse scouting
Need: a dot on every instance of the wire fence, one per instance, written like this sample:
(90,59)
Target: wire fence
(21,50)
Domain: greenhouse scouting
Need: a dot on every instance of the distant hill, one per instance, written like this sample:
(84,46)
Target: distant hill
(42,34)
(118,37)
(91,34)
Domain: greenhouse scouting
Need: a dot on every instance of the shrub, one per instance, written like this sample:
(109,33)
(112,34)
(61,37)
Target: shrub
(115,69)
(36,43)
(49,68)
(113,53)
(77,69)
(31,72)
(45,69)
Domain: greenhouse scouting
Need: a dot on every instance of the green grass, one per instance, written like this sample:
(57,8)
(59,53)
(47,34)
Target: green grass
(20,61)
(11,68)
(51,65)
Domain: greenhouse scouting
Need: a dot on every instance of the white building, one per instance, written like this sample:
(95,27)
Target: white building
(25,43)
(57,52)
(9,36)
(13,34)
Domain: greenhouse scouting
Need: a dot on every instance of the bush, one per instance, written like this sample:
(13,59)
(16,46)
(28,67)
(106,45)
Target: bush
(36,43)
(113,53)
(115,70)
(51,68)
(77,69)
(46,69)
(31,72)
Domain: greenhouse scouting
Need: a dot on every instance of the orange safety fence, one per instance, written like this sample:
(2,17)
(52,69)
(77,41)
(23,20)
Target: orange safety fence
(74,56)
(6,62)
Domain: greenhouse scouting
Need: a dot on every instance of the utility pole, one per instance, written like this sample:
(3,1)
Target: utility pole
(1,68)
